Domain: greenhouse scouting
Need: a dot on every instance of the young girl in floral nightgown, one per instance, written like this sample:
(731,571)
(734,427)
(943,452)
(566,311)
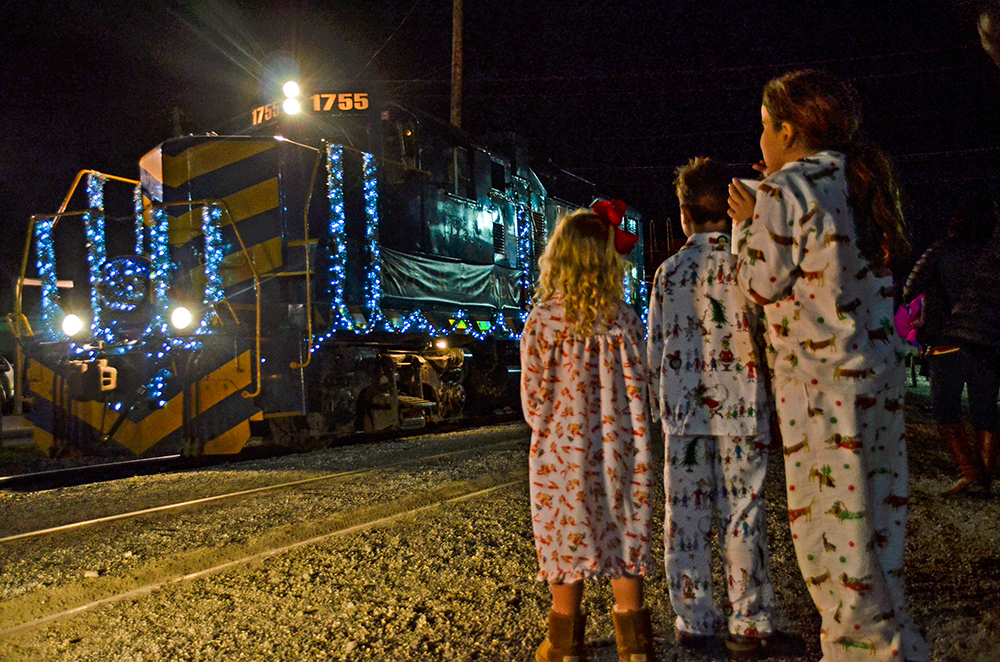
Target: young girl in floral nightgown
(583,390)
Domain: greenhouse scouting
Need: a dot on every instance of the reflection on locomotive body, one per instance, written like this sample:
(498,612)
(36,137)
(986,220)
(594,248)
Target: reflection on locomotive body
(374,275)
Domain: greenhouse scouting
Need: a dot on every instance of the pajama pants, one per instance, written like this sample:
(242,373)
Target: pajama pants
(717,481)
(847,483)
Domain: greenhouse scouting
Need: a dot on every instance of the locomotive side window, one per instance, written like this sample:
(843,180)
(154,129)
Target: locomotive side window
(459,175)
(498,175)
(449,164)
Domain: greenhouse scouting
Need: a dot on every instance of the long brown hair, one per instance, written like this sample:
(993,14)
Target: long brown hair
(826,112)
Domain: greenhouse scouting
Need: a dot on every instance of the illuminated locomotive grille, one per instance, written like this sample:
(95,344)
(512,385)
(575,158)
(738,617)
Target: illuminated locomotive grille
(499,240)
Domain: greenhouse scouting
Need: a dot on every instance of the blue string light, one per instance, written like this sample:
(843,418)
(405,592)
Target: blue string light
(214,253)
(643,302)
(140,226)
(373,275)
(524,249)
(45,261)
(159,240)
(96,249)
(415,321)
(124,284)
(158,385)
(337,257)
(500,328)
(462,323)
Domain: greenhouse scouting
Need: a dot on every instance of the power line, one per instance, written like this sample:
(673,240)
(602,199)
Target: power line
(388,39)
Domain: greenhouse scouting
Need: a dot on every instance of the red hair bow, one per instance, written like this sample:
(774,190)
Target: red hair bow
(613,211)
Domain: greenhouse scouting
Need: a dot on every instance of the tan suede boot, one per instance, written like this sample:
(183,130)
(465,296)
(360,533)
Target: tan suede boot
(988,451)
(634,634)
(565,640)
(968,462)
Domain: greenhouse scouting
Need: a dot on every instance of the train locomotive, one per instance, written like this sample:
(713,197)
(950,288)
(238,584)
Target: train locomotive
(355,267)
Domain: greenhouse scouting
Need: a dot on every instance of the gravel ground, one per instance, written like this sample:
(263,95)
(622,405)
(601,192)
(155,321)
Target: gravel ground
(453,582)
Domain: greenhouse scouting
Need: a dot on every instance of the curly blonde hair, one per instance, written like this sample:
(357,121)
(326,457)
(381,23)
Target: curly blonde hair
(580,263)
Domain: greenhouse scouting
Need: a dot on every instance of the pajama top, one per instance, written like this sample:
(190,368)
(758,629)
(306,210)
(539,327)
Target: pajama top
(590,483)
(829,313)
(705,366)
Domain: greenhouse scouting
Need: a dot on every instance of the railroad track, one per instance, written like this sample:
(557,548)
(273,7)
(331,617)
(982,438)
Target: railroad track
(117,470)
(339,475)
(426,480)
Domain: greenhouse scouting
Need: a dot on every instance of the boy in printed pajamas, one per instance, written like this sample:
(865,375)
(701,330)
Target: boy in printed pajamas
(709,392)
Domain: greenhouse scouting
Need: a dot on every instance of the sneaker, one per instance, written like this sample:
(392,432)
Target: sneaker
(741,647)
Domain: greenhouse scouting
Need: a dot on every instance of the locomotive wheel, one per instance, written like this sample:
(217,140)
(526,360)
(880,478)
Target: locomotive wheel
(293,432)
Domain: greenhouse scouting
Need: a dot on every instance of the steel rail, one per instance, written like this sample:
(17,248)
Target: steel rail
(241,493)
(150,588)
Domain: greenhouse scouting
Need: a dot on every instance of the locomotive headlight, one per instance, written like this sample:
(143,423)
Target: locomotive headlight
(72,325)
(180,317)
(441,344)
(291,104)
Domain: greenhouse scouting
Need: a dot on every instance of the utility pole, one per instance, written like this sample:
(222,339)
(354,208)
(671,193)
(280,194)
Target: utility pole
(456,63)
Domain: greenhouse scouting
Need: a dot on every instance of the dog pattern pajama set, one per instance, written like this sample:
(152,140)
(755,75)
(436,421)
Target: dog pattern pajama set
(839,383)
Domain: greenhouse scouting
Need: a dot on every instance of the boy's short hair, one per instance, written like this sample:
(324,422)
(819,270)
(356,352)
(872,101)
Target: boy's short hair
(703,187)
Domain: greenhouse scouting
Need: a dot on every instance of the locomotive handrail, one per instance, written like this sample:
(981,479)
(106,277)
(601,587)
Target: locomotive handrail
(76,182)
(295,365)
(221,203)
(253,270)
(14,320)
(19,286)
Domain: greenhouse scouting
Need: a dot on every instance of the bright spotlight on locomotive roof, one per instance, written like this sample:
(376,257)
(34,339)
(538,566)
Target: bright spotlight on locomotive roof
(291,89)
(291,106)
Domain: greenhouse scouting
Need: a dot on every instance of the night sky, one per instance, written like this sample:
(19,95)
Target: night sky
(620,93)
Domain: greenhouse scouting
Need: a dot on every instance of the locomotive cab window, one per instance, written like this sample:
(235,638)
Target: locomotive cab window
(401,143)
(450,164)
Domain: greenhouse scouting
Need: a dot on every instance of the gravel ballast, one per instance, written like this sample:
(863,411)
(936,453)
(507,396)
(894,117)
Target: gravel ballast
(451,582)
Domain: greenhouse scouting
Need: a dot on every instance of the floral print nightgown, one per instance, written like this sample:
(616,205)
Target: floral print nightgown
(586,402)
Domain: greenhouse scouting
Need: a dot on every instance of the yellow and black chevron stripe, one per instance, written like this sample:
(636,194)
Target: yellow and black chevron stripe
(219,424)
(242,172)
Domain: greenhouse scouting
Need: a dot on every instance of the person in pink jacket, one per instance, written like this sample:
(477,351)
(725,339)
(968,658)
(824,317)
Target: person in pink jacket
(583,391)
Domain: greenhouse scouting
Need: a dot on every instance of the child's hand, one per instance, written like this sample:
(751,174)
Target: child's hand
(741,202)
